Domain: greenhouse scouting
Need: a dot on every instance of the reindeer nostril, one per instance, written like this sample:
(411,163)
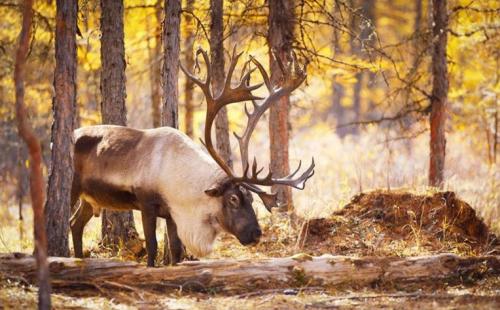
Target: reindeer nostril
(257,233)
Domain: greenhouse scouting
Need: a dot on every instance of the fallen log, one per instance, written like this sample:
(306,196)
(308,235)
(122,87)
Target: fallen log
(251,274)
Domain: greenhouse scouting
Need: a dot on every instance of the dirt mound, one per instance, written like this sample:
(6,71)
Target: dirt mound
(400,223)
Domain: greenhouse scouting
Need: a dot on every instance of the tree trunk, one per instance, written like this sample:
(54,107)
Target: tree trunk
(365,38)
(439,95)
(418,46)
(22,181)
(281,21)
(117,227)
(418,42)
(171,50)
(155,66)
(356,93)
(338,91)
(217,59)
(57,207)
(418,18)
(495,131)
(88,94)
(368,38)
(356,102)
(188,84)
(41,268)
(255,274)
(495,115)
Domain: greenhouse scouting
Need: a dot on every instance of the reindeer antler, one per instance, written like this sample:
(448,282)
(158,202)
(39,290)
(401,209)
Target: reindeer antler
(242,92)
(292,76)
(290,83)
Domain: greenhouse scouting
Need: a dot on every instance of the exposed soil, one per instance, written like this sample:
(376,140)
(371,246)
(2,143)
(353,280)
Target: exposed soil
(400,223)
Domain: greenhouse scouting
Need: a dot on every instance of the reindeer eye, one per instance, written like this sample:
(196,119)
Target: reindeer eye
(234,201)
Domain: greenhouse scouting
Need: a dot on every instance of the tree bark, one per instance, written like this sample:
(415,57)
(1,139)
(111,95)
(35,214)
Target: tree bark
(188,84)
(117,227)
(40,268)
(57,207)
(281,21)
(171,50)
(155,66)
(495,117)
(418,18)
(439,96)
(217,59)
(170,116)
(22,181)
(254,274)
(495,130)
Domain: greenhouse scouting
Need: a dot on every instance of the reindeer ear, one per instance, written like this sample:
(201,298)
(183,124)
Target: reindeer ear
(270,200)
(219,188)
(215,191)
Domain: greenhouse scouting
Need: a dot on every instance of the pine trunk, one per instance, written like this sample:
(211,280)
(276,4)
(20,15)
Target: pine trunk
(217,59)
(155,65)
(171,50)
(495,128)
(117,227)
(188,84)
(418,19)
(57,207)
(35,152)
(418,41)
(281,22)
(439,94)
(22,185)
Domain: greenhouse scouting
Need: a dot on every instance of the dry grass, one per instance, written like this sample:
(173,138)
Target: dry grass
(352,165)
(485,296)
(15,296)
(344,168)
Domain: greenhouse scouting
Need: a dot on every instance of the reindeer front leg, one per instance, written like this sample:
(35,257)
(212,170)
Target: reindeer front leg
(174,247)
(149,225)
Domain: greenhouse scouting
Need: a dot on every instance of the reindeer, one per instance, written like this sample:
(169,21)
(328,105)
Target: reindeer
(162,173)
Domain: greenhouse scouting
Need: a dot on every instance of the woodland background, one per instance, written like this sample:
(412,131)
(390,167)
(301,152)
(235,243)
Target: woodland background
(364,112)
(369,65)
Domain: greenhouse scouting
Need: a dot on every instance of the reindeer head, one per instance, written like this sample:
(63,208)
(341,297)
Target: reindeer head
(237,215)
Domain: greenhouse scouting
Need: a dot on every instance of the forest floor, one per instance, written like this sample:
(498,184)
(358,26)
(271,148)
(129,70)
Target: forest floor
(378,223)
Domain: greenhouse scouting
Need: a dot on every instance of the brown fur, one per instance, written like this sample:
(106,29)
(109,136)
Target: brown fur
(121,168)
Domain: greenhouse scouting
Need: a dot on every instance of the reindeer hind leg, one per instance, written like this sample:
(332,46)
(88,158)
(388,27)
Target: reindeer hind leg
(80,218)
